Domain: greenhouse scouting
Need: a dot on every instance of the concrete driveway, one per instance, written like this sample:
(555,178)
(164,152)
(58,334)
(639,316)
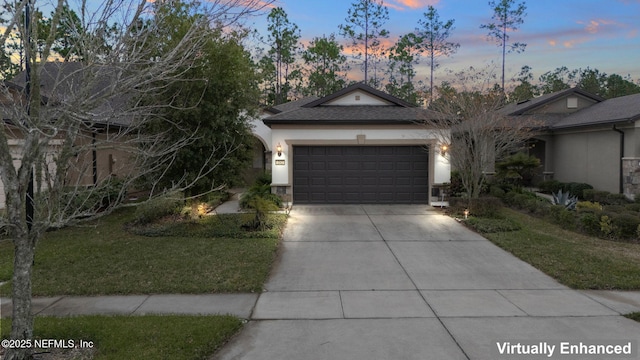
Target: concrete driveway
(405,282)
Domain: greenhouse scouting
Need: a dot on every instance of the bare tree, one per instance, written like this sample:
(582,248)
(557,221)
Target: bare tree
(58,116)
(472,131)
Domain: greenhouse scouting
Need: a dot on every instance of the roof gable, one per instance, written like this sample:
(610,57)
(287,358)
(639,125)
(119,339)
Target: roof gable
(545,103)
(359,94)
(615,110)
(341,108)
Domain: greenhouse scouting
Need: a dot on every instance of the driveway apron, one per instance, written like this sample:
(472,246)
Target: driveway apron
(406,282)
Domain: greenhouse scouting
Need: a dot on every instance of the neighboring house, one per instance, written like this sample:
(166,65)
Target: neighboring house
(585,138)
(57,84)
(358,145)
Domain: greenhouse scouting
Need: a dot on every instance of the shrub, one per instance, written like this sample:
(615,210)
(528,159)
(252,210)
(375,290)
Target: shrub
(158,208)
(537,206)
(588,206)
(605,197)
(497,191)
(517,169)
(519,199)
(625,226)
(550,186)
(261,208)
(577,188)
(606,227)
(457,205)
(456,189)
(487,207)
(259,190)
(492,225)
(590,223)
(559,215)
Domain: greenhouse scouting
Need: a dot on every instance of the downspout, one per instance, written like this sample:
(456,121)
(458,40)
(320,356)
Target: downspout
(621,157)
(95,160)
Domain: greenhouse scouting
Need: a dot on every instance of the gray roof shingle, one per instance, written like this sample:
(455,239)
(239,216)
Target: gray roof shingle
(352,115)
(621,109)
(315,111)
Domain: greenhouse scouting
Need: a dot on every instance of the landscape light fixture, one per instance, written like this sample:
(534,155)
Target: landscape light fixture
(279,149)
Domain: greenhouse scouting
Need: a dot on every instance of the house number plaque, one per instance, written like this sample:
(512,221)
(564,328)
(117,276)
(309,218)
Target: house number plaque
(279,162)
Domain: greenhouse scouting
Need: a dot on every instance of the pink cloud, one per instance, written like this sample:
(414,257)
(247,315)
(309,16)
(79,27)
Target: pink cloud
(411,4)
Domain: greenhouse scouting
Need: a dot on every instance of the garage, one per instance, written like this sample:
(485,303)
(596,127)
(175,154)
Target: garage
(360,174)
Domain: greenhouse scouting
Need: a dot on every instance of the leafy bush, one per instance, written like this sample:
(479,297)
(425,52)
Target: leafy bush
(559,215)
(605,197)
(625,226)
(158,208)
(517,169)
(261,191)
(577,188)
(261,208)
(606,227)
(550,186)
(488,207)
(497,191)
(537,206)
(590,223)
(588,206)
(492,225)
(261,200)
(457,205)
(456,189)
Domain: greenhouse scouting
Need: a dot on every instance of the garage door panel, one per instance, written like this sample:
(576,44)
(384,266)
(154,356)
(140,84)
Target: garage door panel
(360,174)
(369,181)
(369,165)
(351,165)
(354,181)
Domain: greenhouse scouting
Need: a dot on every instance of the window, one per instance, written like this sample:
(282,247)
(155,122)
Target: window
(572,102)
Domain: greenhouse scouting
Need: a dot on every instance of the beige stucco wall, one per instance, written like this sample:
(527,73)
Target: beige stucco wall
(560,106)
(592,157)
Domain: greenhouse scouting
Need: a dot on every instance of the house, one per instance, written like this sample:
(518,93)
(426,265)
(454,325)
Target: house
(358,145)
(585,138)
(65,82)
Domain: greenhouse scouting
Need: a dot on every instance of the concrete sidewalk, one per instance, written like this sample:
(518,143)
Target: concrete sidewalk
(240,305)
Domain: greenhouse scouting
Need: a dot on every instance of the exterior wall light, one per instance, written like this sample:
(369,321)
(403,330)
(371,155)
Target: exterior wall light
(279,149)
(443,149)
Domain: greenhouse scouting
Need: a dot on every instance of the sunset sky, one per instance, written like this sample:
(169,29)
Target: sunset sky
(601,34)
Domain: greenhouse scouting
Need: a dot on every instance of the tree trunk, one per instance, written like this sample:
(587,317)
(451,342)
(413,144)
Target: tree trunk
(22,320)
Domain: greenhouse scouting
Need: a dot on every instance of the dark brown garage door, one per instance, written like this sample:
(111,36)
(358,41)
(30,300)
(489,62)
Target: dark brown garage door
(360,174)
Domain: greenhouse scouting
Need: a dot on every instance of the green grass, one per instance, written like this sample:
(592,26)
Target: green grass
(140,337)
(208,256)
(634,316)
(576,260)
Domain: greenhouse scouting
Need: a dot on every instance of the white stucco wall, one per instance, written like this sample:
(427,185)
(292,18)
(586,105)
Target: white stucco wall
(358,98)
(262,131)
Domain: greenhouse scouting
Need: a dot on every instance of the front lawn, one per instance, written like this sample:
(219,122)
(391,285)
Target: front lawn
(211,255)
(575,260)
(136,337)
